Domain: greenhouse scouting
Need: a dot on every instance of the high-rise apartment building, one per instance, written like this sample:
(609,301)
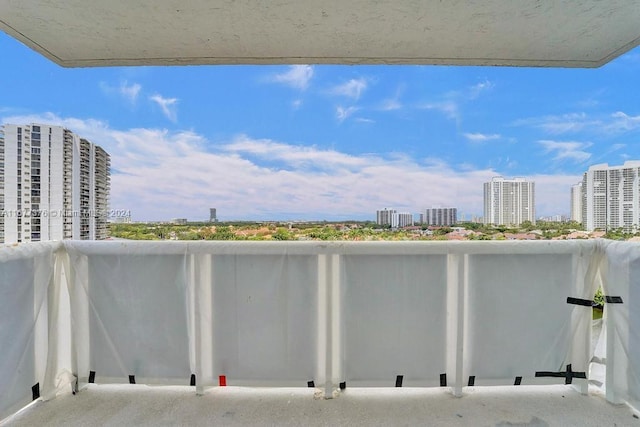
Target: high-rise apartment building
(213,216)
(385,216)
(440,216)
(54,185)
(401,219)
(509,201)
(576,202)
(611,197)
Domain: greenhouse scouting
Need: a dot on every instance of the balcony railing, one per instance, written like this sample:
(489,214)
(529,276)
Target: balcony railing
(327,315)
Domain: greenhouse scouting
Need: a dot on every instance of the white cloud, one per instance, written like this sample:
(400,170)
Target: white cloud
(364,120)
(624,122)
(296,104)
(565,123)
(481,137)
(351,89)
(297,76)
(617,122)
(343,113)
(167,105)
(567,150)
(477,89)
(160,175)
(449,108)
(390,105)
(128,91)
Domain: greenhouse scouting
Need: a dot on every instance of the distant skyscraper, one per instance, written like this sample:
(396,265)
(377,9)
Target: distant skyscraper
(385,216)
(576,202)
(509,201)
(611,197)
(212,215)
(54,185)
(401,219)
(440,216)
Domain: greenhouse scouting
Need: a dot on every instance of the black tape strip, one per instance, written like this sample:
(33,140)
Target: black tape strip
(568,375)
(35,391)
(92,377)
(518,381)
(613,300)
(193,380)
(472,380)
(443,380)
(579,301)
(311,384)
(399,380)
(132,379)
(343,385)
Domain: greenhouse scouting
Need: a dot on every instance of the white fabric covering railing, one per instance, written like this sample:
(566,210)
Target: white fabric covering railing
(29,302)
(621,278)
(298,313)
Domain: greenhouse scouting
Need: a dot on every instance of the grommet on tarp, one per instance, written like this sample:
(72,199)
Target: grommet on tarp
(35,391)
(311,384)
(193,380)
(580,301)
(222,380)
(343,385)
(443,380)
(132,379)
(568,375)
(613,300)
(472,380)
(518,381)
(92,377)
(399,380)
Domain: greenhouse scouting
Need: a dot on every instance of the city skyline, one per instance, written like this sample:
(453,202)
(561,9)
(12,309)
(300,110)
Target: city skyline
(330,142)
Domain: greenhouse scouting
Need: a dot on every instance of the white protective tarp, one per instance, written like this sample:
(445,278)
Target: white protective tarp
(28,313)
(621,278)
(517,319)
(161,312)
(298,313)
(394,313)
(130,311)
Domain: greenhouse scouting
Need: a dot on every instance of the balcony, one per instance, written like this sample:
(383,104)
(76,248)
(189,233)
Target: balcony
(497,323)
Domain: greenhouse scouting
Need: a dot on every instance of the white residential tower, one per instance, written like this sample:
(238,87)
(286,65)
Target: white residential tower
(54,185)
(509,202)
(611,197)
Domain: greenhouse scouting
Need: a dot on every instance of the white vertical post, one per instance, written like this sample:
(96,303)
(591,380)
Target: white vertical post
(322,321)
(335,311)
(456,282)
(202,319)
(611,360)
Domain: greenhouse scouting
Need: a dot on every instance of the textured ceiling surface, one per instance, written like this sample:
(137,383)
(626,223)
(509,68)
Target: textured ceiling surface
(81,33)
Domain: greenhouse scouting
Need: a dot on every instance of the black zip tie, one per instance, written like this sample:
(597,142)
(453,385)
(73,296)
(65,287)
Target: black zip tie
(35,391)
(443,380)
(580,301)
(568,375)
(193,380)
(472,380)
(518,381)
(311,384)
(613,300)
(343,385)
(132,379)
(399,380)
(92,377)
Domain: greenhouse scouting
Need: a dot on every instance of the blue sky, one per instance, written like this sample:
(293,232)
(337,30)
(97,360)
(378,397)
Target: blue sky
(330,142)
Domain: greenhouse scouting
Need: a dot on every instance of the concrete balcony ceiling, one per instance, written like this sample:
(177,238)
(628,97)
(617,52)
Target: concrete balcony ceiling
(547,33)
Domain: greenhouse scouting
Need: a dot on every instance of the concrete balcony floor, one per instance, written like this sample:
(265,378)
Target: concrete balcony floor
(533,406)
